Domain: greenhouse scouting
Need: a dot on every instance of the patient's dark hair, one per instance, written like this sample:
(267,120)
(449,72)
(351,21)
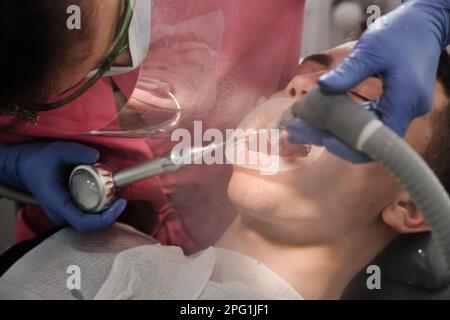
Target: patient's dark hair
(437,154)
(36,45)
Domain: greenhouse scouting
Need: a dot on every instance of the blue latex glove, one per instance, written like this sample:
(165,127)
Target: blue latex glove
(43,169)
(404,47)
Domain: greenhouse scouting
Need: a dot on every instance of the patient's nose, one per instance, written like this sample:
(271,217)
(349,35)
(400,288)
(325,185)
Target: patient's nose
(300,85)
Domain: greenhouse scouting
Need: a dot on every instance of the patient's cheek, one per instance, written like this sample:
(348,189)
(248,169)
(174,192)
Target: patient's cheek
(420,133)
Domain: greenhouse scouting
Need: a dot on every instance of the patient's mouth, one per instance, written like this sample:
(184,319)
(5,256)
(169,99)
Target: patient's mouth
(270,147)
(274,149)
(280,146)
(292,151)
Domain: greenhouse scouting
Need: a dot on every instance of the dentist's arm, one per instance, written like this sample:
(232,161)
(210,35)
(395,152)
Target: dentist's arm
(404,48)
(42,169)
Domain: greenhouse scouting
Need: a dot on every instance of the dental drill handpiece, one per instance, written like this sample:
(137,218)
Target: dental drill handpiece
(94,187)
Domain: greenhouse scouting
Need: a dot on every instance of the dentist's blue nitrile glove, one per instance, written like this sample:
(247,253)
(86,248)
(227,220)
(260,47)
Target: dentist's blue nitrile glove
(43,169)
(404,47)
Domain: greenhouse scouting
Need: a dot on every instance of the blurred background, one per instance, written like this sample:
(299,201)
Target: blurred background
(7,223)
(327,24)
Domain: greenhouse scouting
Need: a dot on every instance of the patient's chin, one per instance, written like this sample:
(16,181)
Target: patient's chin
(263,198)
(275,208)
(250,194)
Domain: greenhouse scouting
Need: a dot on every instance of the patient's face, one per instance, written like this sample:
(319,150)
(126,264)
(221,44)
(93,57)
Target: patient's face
(330,196)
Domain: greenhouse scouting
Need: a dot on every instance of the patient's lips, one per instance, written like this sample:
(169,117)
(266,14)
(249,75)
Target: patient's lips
(292,151)
(281,148)
(274,147)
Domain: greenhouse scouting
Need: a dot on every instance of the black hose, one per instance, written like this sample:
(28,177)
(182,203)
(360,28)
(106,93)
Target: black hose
(17,196)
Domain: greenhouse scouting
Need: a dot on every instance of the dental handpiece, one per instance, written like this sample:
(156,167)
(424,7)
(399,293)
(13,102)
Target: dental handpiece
(95,187)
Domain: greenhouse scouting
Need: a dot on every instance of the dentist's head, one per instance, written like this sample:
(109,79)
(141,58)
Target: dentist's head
(46,56)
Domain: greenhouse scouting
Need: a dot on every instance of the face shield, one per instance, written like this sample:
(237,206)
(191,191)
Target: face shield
(177,80)
(208,61)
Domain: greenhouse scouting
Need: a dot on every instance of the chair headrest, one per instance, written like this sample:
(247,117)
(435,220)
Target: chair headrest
(414,260)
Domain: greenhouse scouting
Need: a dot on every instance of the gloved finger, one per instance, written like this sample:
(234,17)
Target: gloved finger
(354,69)
(301,132)
(75,153)
(398,109)
(85,222)
(344,151)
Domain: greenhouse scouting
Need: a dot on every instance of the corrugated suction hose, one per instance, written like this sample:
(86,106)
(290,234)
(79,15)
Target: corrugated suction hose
(360,129)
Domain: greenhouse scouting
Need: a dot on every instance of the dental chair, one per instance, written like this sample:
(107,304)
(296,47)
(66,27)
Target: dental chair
(411,268)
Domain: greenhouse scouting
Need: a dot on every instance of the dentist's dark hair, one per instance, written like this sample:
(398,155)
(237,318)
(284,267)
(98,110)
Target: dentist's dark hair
(36,45)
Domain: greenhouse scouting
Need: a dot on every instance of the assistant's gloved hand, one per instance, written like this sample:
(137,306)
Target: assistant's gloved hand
(404,47)
(43,170)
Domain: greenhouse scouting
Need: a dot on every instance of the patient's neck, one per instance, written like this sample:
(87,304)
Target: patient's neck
(316,271)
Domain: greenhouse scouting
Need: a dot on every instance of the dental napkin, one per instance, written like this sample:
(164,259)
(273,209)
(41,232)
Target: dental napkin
(157,273)
(43,273)
(122,263)
(162,272)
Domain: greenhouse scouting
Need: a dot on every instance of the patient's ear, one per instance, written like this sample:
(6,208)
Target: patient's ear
(403,215)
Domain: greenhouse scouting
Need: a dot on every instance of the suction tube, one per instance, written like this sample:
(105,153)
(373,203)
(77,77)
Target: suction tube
(361,129)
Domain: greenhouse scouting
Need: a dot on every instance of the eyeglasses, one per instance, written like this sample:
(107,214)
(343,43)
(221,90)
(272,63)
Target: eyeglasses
(120,45)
